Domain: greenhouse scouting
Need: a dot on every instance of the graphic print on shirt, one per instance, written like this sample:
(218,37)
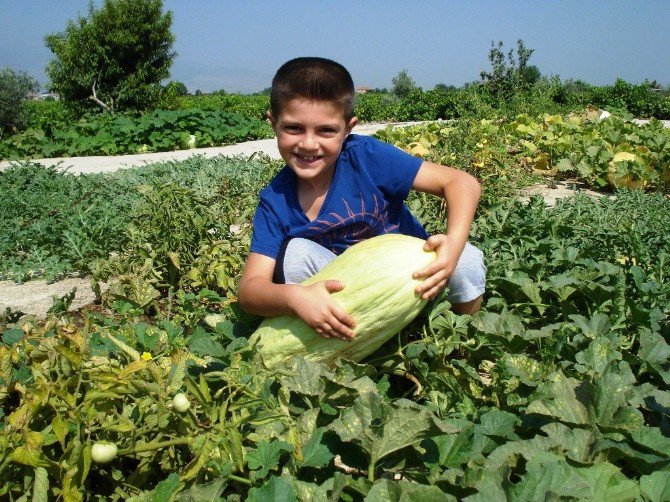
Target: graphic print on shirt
(352,227)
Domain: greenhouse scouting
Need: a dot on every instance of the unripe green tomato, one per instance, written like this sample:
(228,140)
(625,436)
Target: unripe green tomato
(103,452)
(181,403)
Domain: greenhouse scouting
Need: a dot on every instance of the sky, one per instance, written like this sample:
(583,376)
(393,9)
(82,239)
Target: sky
(238,45)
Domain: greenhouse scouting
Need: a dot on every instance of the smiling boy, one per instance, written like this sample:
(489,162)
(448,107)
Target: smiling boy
(337,189)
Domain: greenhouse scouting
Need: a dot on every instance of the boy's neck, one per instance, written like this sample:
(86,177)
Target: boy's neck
(312,194)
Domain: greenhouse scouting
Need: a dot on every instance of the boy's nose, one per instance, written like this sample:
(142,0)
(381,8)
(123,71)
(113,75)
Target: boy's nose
(308,142)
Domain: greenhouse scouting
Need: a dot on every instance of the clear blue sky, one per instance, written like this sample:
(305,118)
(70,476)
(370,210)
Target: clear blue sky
(238,45)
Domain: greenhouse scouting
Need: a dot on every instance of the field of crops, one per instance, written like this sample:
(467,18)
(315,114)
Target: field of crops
(557,390)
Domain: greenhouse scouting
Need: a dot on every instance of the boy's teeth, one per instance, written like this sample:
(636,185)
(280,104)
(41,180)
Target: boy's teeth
(308,158)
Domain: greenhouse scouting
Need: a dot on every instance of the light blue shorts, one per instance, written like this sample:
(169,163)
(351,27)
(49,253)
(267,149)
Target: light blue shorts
(300,259)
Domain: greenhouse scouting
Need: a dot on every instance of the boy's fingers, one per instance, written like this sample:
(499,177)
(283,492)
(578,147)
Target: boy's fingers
(333,286)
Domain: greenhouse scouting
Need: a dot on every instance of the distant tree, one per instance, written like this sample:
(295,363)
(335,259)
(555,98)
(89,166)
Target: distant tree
(444,87)
(509,74)
(264,92)
(114,58)
(177,88)
(219,92)
(14,89)
(403,84)
(531,75)
(198,92)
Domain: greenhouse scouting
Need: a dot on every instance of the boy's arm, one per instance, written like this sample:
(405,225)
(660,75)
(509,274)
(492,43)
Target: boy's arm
(313,304)
(461,191)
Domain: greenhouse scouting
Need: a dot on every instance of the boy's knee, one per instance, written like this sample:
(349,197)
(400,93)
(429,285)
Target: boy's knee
(300,259)
(467,283)
(470,308)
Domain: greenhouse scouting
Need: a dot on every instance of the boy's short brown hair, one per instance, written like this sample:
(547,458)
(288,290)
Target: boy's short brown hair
(313,78)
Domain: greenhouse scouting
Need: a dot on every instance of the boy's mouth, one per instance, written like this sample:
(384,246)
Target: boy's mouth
(308,158)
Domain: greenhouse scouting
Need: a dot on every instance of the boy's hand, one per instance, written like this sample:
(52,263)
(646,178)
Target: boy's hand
(437,274)
(314,305)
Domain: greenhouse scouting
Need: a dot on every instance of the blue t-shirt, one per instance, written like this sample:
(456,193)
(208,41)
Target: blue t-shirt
(366,198)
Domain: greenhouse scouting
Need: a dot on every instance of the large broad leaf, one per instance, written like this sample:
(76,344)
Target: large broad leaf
(497,423)
(606,483)
(611,395)
(266,457)
(565,400)
(305,377)
(604,402)
(577,444)
(655,351)
(656,486)
(385,490)
(277,488)
(380,428)
(208,492)
(597,356)
(314,452)
(549,477)
(508,453)
(450,450)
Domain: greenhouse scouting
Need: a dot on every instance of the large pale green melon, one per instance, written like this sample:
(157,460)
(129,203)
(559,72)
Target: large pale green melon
(379,294)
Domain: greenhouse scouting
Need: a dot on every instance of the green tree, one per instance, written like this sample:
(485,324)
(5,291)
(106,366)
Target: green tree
(177,88)
(114,58)
(403,84)
(14,89)
(509,73)
(531,75)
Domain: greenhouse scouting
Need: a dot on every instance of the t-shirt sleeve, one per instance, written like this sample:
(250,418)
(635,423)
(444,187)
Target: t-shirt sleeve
(267,236)
(392,169)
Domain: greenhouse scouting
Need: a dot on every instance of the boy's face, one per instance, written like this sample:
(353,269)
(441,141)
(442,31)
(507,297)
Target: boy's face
(310,135)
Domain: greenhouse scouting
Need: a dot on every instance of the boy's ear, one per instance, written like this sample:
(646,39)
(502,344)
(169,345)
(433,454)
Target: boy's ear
(271,118)
(352,123)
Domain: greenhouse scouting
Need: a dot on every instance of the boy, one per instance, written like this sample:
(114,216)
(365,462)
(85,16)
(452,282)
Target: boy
(337,189)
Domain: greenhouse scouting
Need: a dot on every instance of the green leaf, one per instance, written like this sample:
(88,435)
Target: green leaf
(564,399)
(549,478)
(147,340)
(656,486)
(201,343)
(30,452)
(606,482)
(577,444)
(167,488)
(610,397)
(526,369)
(381,428)
(266,457)
(655,351)
(450,450)
(277,488)
(305,377)
(208,492)
(12,336)
(385,490)
(498,423)
(311,491)
(41,485)
(60,428)
(652,439)
(597,357)
(314,452)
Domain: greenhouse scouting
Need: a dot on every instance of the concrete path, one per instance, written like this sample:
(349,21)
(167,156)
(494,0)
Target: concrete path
(103,164)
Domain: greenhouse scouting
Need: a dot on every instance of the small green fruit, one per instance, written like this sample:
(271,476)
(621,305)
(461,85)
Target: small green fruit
(181,403)
(103,452)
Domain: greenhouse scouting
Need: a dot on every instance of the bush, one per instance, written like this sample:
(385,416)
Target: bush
(14,88)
